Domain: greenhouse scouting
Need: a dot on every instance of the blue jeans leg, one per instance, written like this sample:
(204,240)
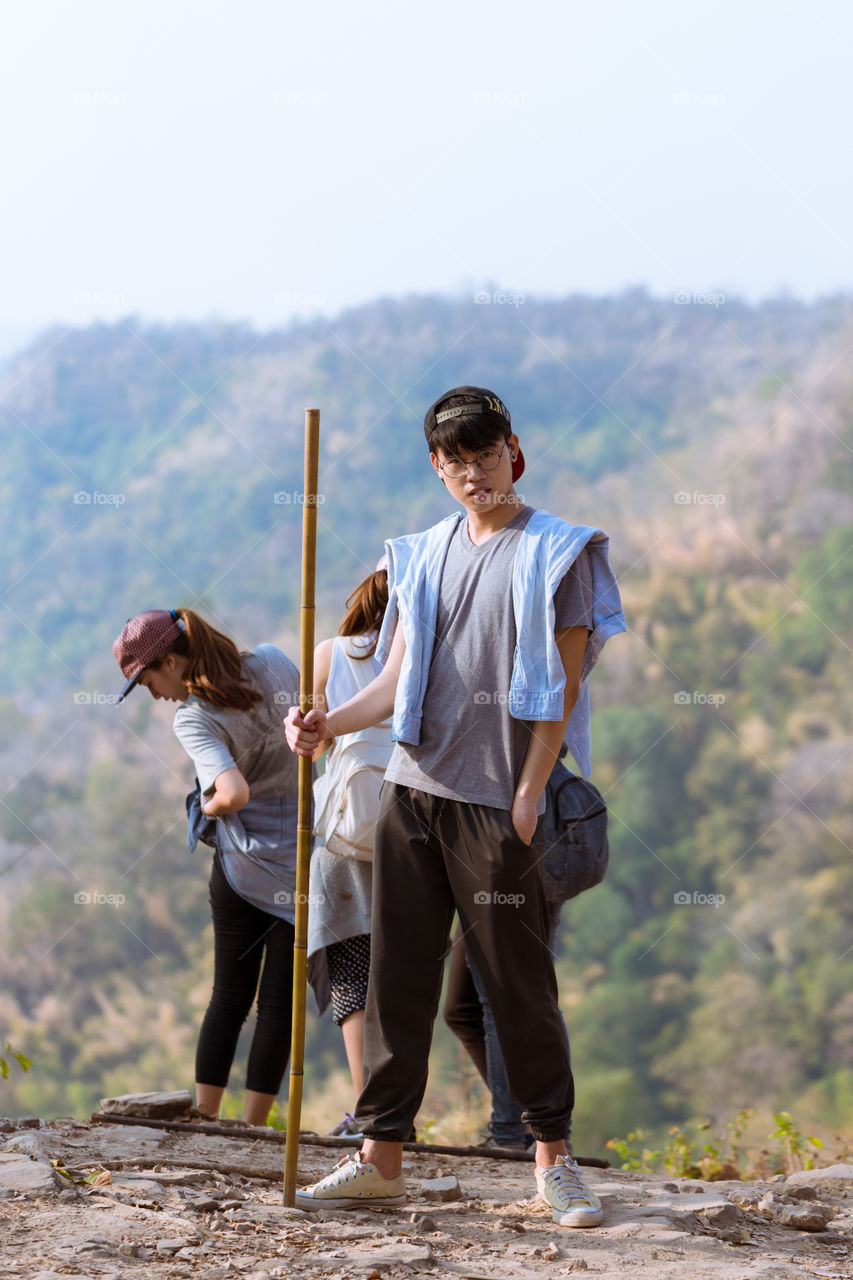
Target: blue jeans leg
(505,1123)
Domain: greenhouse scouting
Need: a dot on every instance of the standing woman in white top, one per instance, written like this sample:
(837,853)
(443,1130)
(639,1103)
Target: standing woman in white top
(339,919)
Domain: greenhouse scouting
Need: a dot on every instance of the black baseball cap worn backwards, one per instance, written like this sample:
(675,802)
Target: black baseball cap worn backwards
(482,401)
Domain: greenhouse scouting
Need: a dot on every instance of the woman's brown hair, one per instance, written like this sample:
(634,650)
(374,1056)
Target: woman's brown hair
(365,610)
(215,671)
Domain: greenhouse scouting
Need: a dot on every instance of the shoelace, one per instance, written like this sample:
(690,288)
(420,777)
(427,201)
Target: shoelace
(348,1169)
(347,1120)
(566,1181)
(342,1171)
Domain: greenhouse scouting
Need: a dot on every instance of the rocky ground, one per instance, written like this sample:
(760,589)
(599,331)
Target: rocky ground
(170,1205)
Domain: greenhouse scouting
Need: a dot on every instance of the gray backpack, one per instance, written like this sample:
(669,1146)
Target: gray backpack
(576,848)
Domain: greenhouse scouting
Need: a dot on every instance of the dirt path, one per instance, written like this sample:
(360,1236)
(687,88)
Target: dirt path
(189,1205)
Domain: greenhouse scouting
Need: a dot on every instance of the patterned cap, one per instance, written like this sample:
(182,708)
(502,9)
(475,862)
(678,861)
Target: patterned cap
(481,401)
(144,639)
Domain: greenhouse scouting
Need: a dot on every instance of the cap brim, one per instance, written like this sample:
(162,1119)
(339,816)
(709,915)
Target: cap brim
(518,466)
(132,682)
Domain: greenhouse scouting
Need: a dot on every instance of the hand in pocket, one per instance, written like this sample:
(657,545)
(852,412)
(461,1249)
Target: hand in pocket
(524,818)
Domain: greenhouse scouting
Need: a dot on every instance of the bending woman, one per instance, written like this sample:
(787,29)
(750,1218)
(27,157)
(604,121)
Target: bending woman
(339,919)
(228,720)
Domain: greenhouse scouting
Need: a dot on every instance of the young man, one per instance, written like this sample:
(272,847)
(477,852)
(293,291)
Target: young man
(492,627)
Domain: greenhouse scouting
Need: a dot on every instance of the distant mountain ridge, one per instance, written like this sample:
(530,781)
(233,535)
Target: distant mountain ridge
(182,436)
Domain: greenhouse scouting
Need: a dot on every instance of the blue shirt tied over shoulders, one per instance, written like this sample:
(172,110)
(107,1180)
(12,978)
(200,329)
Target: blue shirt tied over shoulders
(547,548)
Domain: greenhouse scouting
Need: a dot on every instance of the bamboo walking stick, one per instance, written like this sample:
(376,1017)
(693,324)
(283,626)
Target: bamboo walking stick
(303,824)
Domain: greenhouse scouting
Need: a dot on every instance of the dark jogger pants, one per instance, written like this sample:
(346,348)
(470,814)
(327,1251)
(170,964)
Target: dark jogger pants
(433,856)
(463,1008)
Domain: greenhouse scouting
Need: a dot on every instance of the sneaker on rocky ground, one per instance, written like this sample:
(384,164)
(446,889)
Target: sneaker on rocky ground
(563,1188)
(498,1144)
(348,1128)
(351,1183)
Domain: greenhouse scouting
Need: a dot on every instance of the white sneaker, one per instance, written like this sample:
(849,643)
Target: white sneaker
(352,1182)
(563,1188)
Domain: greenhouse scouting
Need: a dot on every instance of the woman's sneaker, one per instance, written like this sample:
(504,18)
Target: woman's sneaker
(563,1188)
(351,1183)
(348,1128)
(499,1144)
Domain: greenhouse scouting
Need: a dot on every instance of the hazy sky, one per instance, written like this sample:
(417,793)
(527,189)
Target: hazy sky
(182,159)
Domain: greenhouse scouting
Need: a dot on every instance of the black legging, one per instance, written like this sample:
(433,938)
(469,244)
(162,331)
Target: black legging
(243,936)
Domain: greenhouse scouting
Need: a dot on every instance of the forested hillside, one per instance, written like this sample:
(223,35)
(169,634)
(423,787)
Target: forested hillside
(153,466)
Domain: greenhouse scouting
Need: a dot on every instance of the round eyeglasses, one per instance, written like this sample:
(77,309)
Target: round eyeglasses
(486,460)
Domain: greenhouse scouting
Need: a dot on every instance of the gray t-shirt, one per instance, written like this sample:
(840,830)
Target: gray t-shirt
(217,739)
(471,748)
